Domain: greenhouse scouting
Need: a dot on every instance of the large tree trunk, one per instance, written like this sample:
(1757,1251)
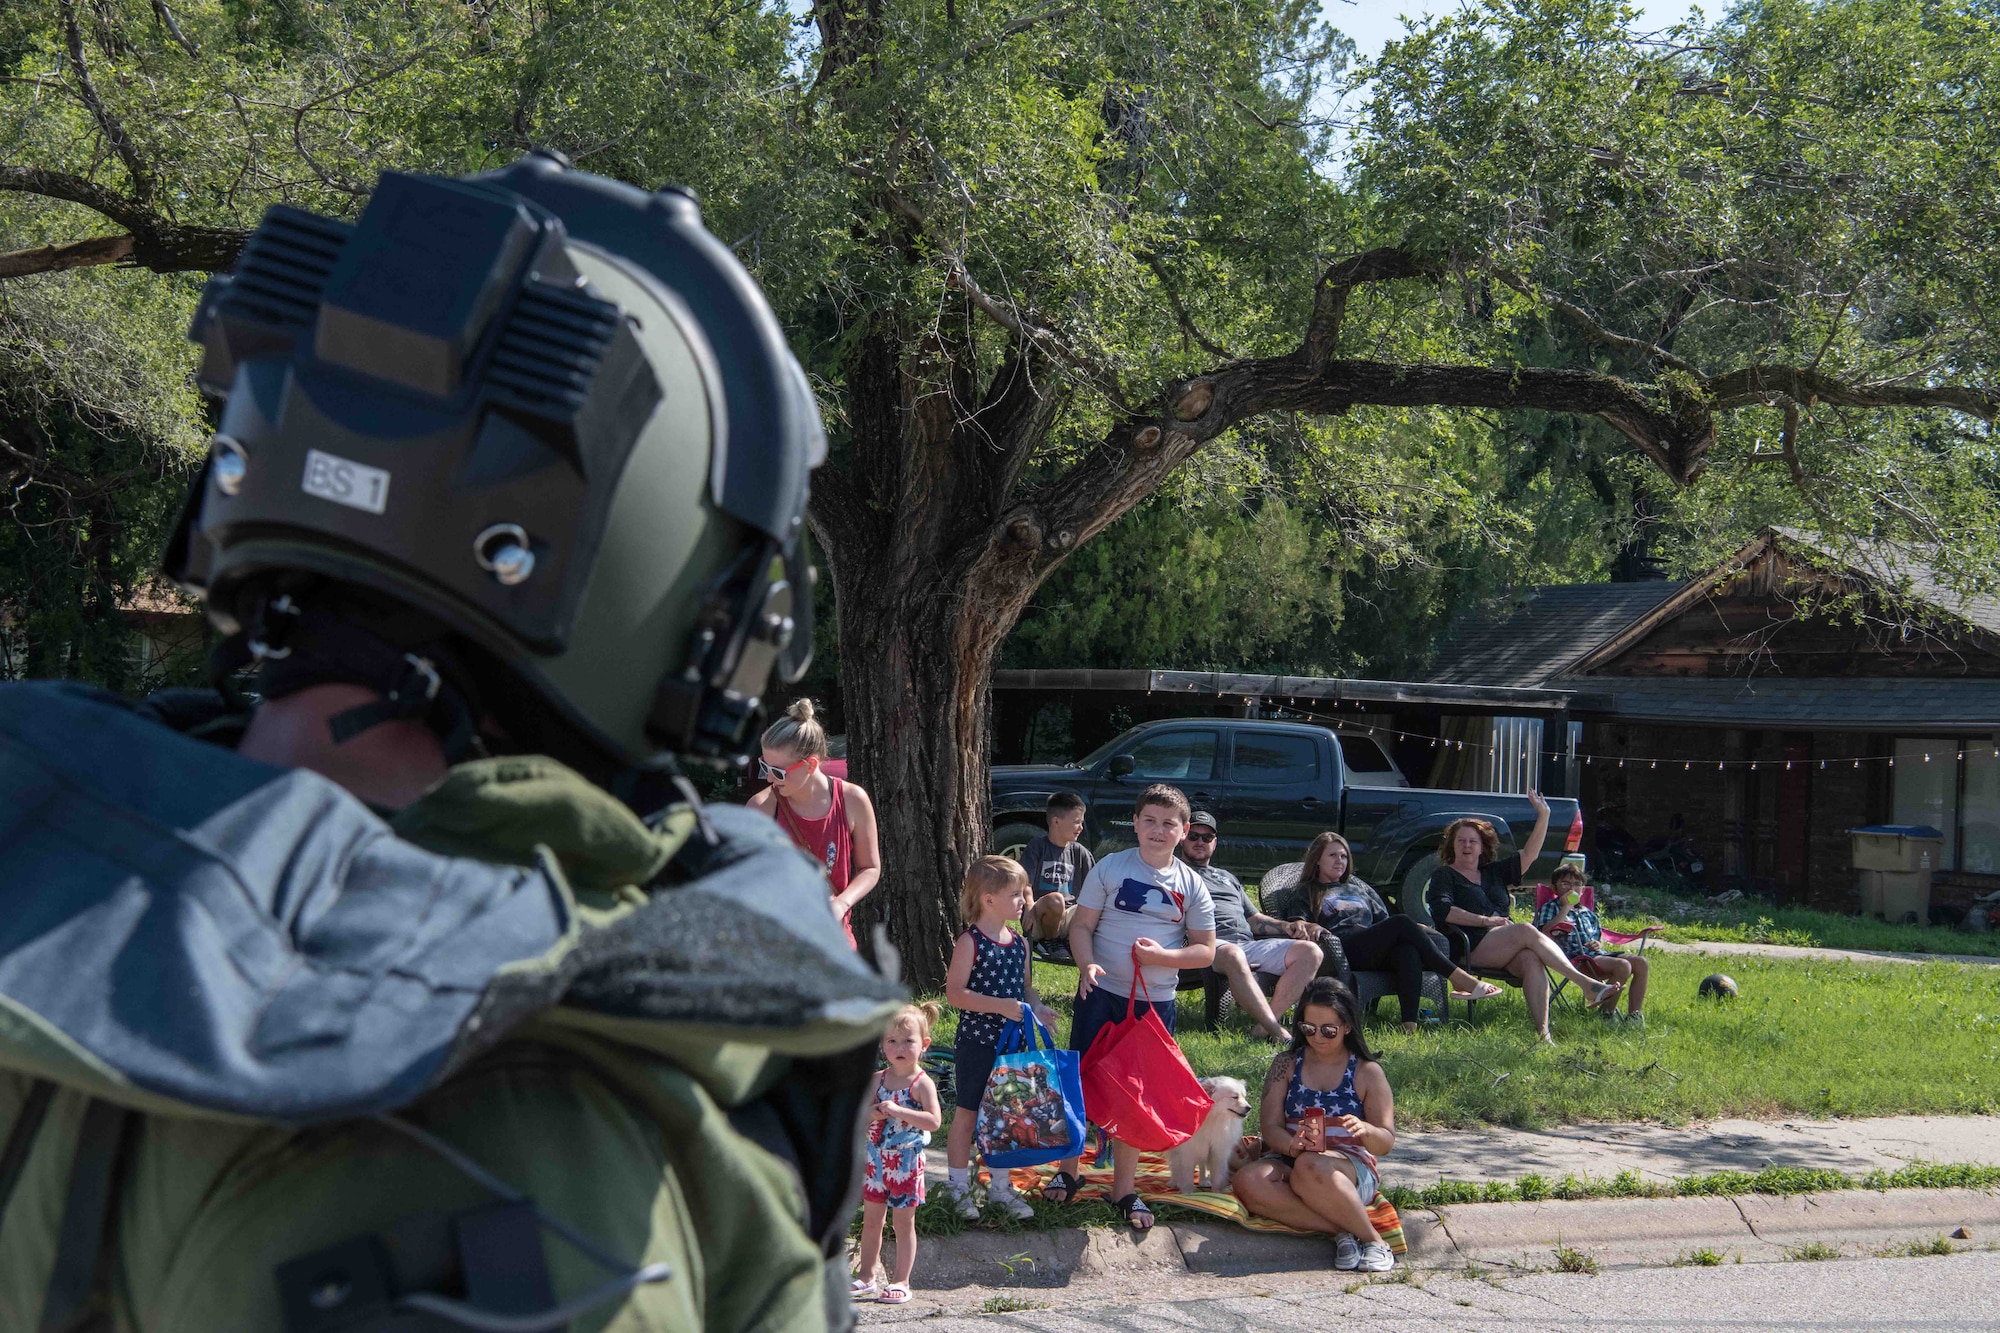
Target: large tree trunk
(931,570)
(916,664)
(915,687)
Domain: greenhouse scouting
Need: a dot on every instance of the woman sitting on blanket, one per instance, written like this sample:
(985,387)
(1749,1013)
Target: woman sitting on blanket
(1329,1067)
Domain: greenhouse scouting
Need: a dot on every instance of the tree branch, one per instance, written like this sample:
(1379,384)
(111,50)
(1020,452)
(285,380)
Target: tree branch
(166,16)
(158,243)
(1051,14)
(1636,348)
(1382,264)
(107,124)
(1788,444)
(1282,123)
(1771,384)
(849,32)
(56,258)
(1012,419)
(1023,326)
(1181,316)
(74,190)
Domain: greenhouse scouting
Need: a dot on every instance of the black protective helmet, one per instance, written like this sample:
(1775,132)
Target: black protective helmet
(548,412)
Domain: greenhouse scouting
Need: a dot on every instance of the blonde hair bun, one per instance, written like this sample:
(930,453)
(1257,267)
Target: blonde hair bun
(799,731)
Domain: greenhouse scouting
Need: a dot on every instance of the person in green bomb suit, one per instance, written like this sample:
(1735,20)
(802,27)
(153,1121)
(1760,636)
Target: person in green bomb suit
(401,980)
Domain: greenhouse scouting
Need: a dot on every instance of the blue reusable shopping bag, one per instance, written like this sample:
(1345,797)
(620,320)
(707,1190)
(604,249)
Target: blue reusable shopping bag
(1032,1110)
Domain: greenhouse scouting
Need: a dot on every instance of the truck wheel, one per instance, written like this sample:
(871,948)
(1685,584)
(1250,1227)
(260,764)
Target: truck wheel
(1012,839)
(1411,878)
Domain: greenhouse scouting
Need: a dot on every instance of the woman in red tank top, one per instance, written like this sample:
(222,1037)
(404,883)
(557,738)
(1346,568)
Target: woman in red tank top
(832,820)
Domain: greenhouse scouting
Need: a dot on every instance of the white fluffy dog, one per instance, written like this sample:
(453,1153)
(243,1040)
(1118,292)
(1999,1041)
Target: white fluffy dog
(1208,1152)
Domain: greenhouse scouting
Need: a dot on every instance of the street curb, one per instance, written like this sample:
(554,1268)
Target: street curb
(1516,1237)
(1745,1228)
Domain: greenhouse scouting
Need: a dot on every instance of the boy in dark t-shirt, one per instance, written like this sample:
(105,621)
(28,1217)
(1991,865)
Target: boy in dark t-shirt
(1056,863)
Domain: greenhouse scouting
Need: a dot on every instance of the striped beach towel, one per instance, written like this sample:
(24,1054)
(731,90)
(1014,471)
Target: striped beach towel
(1156,1186)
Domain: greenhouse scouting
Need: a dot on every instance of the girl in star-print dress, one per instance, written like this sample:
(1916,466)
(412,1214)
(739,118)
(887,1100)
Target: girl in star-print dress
(899,1127)
(988,982)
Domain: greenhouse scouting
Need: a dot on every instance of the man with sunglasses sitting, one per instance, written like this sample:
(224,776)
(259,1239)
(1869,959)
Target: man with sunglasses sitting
(1247,941)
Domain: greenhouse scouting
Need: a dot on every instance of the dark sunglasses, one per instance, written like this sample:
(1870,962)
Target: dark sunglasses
(1201,837)
(1331,1031)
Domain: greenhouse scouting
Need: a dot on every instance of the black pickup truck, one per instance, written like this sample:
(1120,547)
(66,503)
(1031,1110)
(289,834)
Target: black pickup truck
(1273,786)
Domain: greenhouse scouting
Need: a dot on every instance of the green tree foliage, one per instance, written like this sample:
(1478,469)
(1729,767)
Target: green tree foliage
(1213,587)
(1804,185)
(1787,214)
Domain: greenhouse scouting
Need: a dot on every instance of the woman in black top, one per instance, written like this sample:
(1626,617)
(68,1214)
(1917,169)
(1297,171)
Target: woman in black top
(1468,893)
(1373,938)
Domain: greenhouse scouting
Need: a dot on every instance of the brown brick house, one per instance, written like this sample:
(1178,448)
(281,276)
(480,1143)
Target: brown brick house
(1794,692)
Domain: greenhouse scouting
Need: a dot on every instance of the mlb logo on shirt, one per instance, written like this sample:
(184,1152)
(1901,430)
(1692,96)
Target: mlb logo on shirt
(1132,895)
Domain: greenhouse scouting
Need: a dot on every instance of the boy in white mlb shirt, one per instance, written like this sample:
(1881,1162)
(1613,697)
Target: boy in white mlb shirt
(1149,901)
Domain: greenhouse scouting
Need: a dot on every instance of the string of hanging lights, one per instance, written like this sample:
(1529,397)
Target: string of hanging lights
(1948,750)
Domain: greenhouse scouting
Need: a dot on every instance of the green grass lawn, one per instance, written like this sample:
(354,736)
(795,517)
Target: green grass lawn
(1752,920)
(1822,1039)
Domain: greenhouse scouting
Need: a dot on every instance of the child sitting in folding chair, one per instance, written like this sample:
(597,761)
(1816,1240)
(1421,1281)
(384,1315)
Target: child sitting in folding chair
(1566,911)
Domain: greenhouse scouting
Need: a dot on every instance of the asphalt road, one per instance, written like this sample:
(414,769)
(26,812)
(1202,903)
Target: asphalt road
(1956,1292)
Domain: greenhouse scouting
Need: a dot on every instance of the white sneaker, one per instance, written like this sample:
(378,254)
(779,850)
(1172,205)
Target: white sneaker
(1012,1204)
(959,1199)
(1376,1258)
(1346,1252)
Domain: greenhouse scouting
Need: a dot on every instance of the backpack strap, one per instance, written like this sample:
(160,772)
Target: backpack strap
(480,1269)
(21,1139)
(71,1302)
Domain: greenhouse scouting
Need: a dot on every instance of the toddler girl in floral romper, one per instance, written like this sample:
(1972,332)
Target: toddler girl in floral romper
(899,1129)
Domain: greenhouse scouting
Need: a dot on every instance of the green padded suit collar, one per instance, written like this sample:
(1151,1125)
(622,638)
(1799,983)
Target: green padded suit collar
(504,809)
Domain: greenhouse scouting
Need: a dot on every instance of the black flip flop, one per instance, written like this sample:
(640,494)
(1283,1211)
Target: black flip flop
(1132,1205)
(1064,1181)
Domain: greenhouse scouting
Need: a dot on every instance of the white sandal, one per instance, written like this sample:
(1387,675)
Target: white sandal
(896,1293)
(864,1289)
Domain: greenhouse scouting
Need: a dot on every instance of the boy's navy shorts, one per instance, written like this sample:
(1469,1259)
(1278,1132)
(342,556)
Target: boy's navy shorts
(1103,1006)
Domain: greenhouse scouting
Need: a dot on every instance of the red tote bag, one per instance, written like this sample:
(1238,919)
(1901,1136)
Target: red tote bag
(1137,1085)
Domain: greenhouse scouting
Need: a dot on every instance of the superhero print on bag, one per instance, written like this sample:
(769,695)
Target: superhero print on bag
(1022,1112)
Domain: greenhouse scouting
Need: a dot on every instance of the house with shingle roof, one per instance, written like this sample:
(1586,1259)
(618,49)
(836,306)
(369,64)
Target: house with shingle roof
(1797,690)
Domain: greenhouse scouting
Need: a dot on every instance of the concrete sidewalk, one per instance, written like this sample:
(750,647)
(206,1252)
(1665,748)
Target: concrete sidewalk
(1669,1152)
(1722,948)
(1663,1152)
